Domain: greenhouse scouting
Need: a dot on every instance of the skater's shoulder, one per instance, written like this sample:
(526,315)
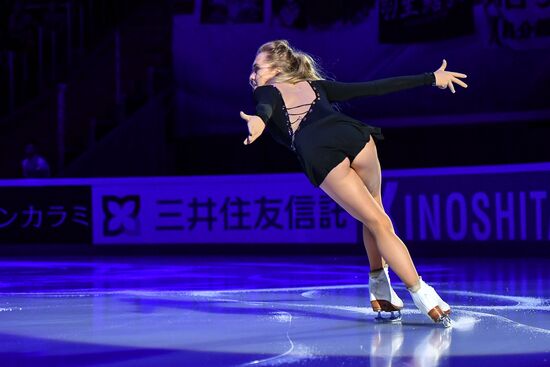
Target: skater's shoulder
(263,92)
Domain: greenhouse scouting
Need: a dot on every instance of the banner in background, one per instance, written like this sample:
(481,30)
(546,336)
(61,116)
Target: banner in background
(402,21)
(519,24)
(470,204)
(319,15)
(232,11)
(461,205)
(51,214)
(218,209)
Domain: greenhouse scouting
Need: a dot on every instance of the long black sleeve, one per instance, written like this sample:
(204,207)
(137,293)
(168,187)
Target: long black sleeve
(265,102)
(339,91)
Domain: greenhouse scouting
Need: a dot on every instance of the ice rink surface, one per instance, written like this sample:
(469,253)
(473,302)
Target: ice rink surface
(265,311)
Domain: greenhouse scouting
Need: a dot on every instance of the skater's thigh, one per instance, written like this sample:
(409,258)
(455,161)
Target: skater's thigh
(344,186)
(367,166)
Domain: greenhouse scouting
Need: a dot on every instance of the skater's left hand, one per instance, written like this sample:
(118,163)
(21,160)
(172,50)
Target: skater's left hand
(444,79)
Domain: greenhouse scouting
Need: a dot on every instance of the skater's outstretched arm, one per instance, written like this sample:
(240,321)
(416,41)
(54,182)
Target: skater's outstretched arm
(340,91)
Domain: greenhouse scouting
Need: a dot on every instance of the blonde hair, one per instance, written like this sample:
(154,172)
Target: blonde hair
(294,64)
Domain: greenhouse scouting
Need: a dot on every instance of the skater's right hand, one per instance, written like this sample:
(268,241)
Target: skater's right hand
(256,127)
(444,79)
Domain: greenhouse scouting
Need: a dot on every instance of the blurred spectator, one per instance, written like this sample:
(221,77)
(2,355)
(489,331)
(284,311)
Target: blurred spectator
(34,165)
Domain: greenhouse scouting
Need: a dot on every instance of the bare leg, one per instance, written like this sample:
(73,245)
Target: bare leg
(344,186)
(367,166)
(375,259)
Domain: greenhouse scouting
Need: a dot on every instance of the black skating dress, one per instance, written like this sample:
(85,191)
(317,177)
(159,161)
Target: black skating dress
(324,137)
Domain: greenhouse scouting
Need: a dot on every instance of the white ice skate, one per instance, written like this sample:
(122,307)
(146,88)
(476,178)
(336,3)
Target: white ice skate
(383,297)
(429,303)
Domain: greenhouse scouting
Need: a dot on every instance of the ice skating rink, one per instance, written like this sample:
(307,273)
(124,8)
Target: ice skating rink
(265,311)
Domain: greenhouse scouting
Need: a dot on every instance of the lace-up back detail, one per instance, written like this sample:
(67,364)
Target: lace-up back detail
(296,115)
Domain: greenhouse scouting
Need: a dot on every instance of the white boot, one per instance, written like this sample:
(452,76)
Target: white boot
(383,297)
(429,303)
(443,305)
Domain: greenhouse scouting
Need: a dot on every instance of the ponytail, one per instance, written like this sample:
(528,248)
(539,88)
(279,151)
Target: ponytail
(295,65)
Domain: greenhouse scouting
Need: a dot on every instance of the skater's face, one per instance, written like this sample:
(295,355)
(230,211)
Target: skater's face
(262,71)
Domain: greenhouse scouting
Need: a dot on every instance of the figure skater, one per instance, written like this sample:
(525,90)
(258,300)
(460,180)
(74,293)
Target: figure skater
(337,154)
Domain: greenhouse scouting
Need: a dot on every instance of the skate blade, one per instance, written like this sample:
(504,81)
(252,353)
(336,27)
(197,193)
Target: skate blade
(440,317)
(387,320)
(393,319)
(446,321)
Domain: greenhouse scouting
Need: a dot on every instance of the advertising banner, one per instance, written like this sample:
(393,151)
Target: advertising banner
(470,204)
(278,208)
(45,214)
